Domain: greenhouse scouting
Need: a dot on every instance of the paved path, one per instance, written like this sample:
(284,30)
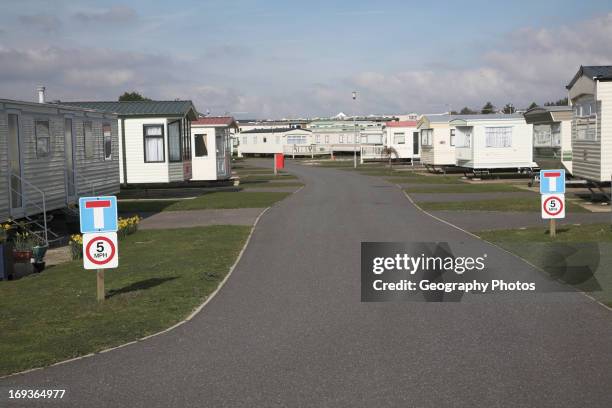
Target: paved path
(288,329)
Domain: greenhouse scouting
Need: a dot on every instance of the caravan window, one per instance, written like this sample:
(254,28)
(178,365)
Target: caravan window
(154,143)
(107,139)
(556,134)
(88,140)
(498,136)
(399,138)
(43,138)
(465,136)
(426,137)
(201,146)
(174,141)
(296,139)
(585,118)
(452,137)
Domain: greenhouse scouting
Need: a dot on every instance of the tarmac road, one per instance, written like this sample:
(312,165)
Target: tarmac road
(288,328)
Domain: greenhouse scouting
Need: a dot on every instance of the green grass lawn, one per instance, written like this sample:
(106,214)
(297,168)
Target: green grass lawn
(463,188)
(266,177)
(221,199)
(163,275)
(520,204)
(416,178)
(585,249)
(267,184)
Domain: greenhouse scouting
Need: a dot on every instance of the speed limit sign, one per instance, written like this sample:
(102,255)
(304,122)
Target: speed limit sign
(100,250)
(553,206)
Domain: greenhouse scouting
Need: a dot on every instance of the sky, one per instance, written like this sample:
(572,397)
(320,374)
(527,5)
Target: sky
(279,59)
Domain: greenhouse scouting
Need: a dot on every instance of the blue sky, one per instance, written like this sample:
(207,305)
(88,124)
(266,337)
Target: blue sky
(289,58)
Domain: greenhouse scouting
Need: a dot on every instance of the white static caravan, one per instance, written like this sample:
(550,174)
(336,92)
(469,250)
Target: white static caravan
(552,136)
(212,148)
(270,141)
(590,95)
(61,151)
(403,138)
(437,141)
(494,141)
(155,139)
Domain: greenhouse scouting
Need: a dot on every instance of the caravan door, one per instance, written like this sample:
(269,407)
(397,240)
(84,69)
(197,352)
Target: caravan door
(69,143)
(15,160)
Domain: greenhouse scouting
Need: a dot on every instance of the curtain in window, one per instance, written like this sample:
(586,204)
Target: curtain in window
(154,144)
(399,138)
(542,135)
(154,149)
(498,136)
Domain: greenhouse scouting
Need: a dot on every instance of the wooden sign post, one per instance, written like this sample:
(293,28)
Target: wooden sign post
(100,289)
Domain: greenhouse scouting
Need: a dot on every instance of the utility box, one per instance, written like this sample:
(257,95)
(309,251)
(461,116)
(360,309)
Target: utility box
(279,161)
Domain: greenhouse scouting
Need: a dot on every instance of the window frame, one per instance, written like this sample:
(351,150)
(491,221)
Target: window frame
(427,137)
(110,136)
(452,137)
(396,134)
(144,141)
(195,144)
(37,137)
(492,146)
(180,142)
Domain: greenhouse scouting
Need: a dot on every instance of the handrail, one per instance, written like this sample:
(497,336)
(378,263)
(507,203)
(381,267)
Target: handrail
(24,199)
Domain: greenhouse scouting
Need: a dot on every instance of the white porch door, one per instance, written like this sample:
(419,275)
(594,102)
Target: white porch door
(221,149)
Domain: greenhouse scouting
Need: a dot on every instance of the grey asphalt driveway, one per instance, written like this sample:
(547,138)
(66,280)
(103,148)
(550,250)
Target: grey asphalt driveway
(288,329)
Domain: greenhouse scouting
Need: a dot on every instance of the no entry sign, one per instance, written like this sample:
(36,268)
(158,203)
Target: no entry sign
(553,206)
(100,250)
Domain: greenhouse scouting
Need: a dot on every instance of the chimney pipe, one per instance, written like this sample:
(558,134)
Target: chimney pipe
(41,94)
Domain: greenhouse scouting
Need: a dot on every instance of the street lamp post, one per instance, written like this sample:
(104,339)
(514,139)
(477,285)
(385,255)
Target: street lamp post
(354,135)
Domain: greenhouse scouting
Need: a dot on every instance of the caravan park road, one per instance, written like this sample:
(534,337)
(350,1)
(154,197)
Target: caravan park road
(288,329)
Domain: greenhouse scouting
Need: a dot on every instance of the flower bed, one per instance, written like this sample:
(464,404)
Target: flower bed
(127,226)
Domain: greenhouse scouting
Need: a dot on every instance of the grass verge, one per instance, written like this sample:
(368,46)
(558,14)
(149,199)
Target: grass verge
(216,200)
(579,255)
(163,275)
(463,188)
(518,204)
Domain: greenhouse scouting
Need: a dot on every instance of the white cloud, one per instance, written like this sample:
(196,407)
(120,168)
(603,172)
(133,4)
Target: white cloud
(530,64)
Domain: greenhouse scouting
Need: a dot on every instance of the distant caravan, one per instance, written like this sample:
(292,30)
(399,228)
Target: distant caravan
(590,96)
(493,142)
(552,136)
(437,142)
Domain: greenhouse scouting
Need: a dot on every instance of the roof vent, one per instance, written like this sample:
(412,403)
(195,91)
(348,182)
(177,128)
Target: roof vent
(41,94)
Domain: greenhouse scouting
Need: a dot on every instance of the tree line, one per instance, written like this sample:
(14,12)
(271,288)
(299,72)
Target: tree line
(489,108)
